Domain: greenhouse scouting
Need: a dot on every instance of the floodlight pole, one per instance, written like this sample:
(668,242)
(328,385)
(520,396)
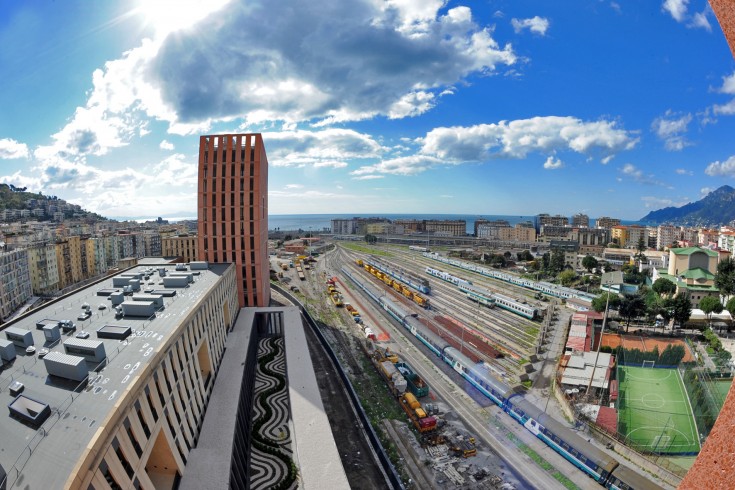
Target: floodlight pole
(610,280)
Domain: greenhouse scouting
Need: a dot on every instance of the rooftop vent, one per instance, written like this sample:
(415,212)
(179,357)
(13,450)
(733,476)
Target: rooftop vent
(30,411)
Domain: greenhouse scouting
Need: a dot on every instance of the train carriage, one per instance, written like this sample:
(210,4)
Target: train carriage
(605,469)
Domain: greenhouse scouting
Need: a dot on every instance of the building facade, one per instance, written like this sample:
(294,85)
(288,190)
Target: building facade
(232,207)
(184,246)
(581,220)
(446,227)
(606,222)
(15,281)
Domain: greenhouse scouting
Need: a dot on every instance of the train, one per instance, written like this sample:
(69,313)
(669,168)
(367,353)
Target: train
(489,298)
(418,283)
(395,284)
(603,468)
(540,286)
(486,297)
(416,248)
(445,276)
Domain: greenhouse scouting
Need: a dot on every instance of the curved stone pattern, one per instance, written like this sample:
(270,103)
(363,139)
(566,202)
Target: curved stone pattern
(267,470)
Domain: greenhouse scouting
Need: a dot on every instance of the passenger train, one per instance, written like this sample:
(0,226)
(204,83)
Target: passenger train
(445,276)
(603,468)
(541,286)
(486,297)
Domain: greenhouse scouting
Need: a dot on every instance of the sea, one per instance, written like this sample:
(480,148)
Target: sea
(322,222)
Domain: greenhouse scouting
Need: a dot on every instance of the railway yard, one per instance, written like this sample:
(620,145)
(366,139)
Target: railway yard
(391,306)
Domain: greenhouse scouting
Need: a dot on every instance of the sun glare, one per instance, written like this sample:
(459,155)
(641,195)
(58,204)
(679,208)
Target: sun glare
(166,16)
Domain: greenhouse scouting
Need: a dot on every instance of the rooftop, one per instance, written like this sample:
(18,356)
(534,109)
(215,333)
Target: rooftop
(43,457)
(691,250)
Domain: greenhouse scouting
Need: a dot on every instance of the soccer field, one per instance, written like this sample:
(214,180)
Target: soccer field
(654,411)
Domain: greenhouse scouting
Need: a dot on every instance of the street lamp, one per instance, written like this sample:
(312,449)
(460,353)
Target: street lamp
(608,279)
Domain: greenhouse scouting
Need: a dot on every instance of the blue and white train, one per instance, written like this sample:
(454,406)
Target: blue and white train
(541,286)
(446,276)
(488,298)
(597,464)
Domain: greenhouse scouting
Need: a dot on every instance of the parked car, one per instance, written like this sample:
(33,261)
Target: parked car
(84,315)
(83,335)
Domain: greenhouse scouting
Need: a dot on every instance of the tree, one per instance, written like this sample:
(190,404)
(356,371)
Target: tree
(640,246)
(556,264)
(730,306)
(664,287)
(725,277)
(709,305)
(682,309)
(598,303)
(566,277)
(524,256)
(546,260)
(589,263)
(631,306)
(371,238)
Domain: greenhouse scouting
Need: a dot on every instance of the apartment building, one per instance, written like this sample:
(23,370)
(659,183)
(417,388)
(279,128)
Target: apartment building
(580,220)
(606,222)
(344,226)
(15,281)
(183,247)
(446,227)
(667,235)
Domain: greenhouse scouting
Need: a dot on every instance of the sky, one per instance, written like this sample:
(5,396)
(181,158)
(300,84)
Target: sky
(609,108)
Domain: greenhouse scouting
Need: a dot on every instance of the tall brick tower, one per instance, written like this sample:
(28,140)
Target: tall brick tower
(232,203)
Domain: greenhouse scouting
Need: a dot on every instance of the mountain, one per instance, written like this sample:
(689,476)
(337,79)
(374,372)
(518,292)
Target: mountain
(716,208)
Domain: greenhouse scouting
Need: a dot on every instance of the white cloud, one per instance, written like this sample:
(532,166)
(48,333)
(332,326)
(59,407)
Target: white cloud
(552,164)
(676,8)
(634,173)
(661,202)
(11,149)
(704,191)
(670,128)
(536,24)
(679,11)
(509,140)
(724,169)
(294,186)
(407,49)
(368,177)
(700,20)
(175,171)
(516,139)
(326,148)
(166,145)
(409,165)
(683,171)
(728,84)
(412,104)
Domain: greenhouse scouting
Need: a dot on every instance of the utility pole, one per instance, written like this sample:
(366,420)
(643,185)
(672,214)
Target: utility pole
(609,278)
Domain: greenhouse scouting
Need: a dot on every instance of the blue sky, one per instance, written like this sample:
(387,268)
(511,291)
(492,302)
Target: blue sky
(373,106)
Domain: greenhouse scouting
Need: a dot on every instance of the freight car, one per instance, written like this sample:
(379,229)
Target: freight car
(603,468)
